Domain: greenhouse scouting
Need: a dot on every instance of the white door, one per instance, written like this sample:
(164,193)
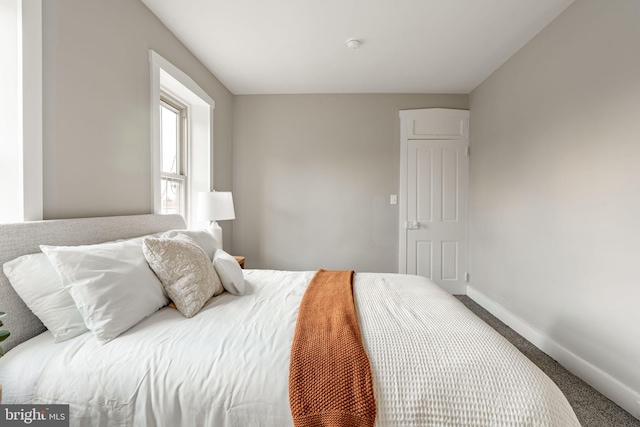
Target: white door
(434,219)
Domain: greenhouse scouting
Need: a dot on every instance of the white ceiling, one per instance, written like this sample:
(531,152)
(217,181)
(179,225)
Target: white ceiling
(408,46)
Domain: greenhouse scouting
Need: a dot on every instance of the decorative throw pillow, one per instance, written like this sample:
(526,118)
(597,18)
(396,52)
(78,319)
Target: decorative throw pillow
(111,284)
(37,282)
(230,272)
(203,238)
(184,269)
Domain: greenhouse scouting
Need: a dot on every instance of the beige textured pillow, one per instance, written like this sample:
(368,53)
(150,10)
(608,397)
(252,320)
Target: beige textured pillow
(184,269)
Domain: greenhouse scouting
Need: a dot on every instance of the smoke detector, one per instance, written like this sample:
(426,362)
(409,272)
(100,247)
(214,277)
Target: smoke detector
(353,43)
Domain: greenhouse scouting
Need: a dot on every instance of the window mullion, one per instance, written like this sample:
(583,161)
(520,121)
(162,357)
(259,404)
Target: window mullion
(173,176)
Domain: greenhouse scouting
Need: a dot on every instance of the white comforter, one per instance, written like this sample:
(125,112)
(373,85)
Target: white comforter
(433,363)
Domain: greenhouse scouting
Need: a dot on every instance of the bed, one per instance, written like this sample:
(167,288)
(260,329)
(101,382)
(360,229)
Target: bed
(432,361)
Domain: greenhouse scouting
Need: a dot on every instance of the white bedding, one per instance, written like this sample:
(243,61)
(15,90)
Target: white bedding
(433,362)
(21,368)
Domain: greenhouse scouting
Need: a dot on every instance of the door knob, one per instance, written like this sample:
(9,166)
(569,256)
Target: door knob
(413,225)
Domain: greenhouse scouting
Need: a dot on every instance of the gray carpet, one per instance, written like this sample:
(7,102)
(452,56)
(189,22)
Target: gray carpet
(591,407)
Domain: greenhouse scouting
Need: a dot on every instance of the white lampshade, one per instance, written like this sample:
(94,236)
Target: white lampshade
(215,206)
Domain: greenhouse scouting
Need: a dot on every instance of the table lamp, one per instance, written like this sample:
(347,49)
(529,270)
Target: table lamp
(215,206)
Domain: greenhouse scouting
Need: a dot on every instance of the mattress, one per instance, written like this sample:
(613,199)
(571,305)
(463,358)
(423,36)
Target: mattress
(433,362)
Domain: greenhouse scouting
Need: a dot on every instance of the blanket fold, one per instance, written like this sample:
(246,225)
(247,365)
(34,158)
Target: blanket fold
(330,381)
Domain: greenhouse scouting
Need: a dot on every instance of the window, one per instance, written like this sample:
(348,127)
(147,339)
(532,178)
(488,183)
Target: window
(174,142)
(181,141)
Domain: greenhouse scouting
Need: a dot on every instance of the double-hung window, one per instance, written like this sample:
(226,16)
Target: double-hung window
(181,141)
(174,142)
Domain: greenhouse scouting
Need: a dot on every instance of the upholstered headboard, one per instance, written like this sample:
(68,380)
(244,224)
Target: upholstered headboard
(26,238)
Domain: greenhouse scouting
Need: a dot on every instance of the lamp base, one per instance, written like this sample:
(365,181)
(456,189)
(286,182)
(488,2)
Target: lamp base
(216,230)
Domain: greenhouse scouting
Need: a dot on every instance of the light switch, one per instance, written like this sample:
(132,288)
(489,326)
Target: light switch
(393,200)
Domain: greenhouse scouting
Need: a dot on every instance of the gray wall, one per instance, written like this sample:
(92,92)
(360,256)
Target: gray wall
(555,186)
(312,176)
(96,106)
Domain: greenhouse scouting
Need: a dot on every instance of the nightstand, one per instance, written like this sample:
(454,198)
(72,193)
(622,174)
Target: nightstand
(240,260)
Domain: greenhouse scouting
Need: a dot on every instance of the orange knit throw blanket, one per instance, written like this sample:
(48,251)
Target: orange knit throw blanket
(329,374)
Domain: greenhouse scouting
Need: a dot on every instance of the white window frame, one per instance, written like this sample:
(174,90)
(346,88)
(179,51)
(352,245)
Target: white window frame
(182,166)
(166,77)
(26,131)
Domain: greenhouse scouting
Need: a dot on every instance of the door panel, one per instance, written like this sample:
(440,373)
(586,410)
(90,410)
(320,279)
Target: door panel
(424,259)
(449,260)
(450,185)
(424,193)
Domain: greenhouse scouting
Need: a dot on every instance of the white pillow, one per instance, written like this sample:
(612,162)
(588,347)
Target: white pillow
(38,284)
(111,284)
(230,272)
(203,238)
(185,271)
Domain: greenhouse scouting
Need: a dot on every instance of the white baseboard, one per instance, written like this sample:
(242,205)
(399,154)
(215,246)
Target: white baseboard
(625,397)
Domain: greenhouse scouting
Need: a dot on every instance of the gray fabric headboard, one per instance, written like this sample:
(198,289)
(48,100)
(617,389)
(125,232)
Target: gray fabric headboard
(26,238)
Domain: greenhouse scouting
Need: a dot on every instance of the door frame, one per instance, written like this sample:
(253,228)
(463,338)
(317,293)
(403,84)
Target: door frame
(409,130)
